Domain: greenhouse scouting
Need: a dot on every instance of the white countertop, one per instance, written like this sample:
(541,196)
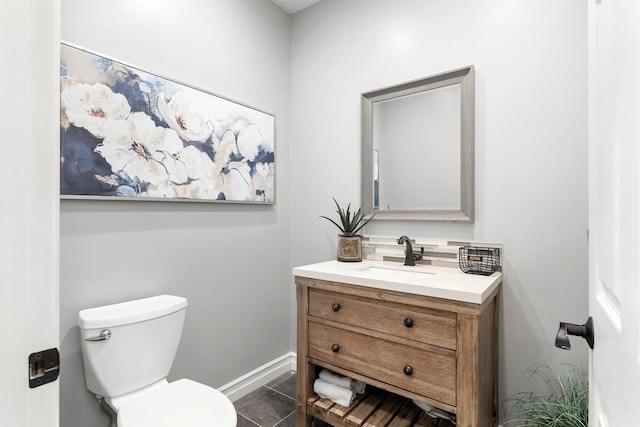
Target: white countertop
(438,282)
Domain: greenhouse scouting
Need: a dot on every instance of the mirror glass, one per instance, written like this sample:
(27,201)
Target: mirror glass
(406,133)
(417,149)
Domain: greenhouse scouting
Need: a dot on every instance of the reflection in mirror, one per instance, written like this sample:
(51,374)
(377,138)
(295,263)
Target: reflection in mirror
(417,149)
(407,131)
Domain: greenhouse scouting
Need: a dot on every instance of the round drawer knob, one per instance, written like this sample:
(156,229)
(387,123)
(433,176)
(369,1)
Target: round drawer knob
(335,348)
(408,322)
(335,307)
(408,370)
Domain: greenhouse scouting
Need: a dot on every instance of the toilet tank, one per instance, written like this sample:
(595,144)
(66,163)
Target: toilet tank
(144,338)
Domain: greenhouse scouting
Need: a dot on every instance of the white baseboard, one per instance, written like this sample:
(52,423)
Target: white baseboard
(260,376)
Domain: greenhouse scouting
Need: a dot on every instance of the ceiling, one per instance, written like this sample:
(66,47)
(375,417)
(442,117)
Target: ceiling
(292,6)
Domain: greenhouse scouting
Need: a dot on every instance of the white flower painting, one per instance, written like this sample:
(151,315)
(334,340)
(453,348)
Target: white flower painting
(126,133)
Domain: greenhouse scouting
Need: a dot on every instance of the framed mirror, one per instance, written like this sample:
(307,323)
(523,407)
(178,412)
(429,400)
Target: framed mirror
(418,149)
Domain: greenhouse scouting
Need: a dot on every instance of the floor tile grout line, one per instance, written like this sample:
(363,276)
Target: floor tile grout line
(279,392)
(271,389)
(275,391)
(250,420)
(284,418)
(284,379)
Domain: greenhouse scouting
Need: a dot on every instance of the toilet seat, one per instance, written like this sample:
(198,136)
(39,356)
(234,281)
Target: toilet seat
(182,403)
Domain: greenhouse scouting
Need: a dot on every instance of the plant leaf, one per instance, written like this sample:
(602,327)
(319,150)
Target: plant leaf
(565,405)
(347,219)
(351,222)
(341,214)
(364,223)
(335,223)
(355,221)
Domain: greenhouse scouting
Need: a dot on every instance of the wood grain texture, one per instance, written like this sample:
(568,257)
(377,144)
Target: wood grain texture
(461,380)
(367,407)
(306,372)
(433,375)
(376,409)
(468,382)
(488,365)
(477,365)
(386,412)
(406,416)
(437,327)
(393,296)
(393,338)
(383,386)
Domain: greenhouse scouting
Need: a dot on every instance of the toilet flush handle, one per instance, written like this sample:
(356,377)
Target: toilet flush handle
(105,334)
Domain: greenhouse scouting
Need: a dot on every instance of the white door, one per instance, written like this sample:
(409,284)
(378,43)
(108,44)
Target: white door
(29,206)
(614,211)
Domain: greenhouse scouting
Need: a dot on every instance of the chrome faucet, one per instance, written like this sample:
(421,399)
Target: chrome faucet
(410,258)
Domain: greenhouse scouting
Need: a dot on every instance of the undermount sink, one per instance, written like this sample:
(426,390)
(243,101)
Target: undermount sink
(394,274)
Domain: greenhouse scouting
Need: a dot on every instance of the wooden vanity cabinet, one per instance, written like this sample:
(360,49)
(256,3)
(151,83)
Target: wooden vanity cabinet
(437,351)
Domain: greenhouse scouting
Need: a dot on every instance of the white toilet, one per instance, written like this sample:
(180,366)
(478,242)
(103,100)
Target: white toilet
(128,349)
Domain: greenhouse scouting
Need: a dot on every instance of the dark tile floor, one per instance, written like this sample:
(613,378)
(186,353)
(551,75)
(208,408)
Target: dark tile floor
(272,405)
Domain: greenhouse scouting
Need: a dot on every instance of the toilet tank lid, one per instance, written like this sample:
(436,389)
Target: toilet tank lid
(130,312)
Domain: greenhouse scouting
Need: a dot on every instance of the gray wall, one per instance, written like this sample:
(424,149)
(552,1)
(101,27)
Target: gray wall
(531,142)
(232,262)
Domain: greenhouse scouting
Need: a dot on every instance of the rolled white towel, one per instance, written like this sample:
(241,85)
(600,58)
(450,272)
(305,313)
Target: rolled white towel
(344,382)
(335,393)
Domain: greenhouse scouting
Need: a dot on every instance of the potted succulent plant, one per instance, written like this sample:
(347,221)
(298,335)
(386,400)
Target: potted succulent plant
(349,241)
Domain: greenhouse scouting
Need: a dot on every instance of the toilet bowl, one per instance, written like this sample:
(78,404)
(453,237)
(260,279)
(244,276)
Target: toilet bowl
(179,403)
(128,350)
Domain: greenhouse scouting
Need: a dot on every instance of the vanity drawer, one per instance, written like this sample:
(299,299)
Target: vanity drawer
(421,324)
(427,373)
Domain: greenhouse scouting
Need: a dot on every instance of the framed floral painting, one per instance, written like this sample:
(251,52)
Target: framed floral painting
(129,134)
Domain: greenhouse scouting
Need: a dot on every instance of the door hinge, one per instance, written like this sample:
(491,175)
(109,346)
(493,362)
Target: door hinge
(44,367)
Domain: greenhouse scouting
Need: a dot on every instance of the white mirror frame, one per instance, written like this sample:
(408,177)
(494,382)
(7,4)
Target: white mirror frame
(466,77)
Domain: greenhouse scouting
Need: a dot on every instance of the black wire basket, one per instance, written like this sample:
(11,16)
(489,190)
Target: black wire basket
(479,260)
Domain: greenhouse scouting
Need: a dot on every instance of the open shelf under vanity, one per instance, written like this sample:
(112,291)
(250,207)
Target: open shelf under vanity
(374,408)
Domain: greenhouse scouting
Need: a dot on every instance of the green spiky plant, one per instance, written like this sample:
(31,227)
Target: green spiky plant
(565,405)
(350,223)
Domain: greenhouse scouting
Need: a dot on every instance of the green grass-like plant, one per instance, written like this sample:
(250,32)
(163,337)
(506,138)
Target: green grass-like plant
(565,405)
(350,223)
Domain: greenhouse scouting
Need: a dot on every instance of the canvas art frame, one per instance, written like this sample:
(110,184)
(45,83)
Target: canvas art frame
(128,134)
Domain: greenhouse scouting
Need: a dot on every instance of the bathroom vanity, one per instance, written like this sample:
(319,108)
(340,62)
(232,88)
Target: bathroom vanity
(420,333)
